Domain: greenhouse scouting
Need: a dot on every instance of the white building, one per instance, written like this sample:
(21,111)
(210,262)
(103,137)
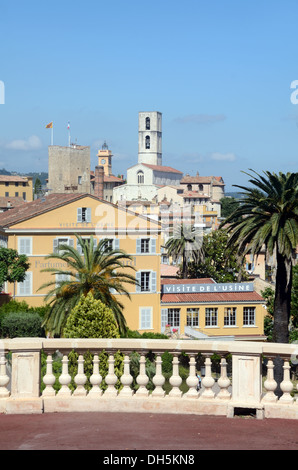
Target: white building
(148,175)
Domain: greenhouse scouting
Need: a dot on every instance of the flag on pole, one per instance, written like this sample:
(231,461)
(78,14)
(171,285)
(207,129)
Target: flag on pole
(49,126)
(68,126)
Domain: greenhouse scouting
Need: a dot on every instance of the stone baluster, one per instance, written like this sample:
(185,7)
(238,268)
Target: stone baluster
(80,379)
(175,379)
(142,379)
(95,379)
(223,381)
(208,381)
(192,380)
(158,379)
(111,378)
(4,378)
(270,384)
(126,379)
(49,379)
(64,378)
(286,385)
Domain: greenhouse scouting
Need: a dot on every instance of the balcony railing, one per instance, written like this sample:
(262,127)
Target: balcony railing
(25,389)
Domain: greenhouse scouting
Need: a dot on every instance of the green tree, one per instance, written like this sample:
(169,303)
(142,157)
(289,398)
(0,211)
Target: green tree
(90,318)
(13,266)
(228,206)
(37,186)
(185,242)
(98,269)
(268,217)
(217,262)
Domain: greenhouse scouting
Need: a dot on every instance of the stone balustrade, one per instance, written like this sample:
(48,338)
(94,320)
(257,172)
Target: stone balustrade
(21,380)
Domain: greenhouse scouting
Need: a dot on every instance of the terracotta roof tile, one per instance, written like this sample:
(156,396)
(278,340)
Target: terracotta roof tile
(212,297)
(167,169)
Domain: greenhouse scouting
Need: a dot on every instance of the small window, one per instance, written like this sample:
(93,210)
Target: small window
(145,245)
(145,281)
(25,245)
(145,318)
(79,180)
(211,317)
(147,144)
(84,214)
(140,177)
(249,316)
(16,194)
(192,317)
(6,183)
(24,196)
(25,287)
(230,316)
(16,184)
(147,123)
(57,242)
(6,194)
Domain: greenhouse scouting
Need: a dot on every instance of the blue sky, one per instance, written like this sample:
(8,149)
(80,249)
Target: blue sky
(219,71)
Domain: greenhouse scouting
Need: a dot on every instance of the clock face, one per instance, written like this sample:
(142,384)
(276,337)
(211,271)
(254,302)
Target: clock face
(103,161)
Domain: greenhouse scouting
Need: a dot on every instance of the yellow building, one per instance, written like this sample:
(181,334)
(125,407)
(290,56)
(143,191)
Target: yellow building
(38,228)
(203,308)
(194,307)
(16,186)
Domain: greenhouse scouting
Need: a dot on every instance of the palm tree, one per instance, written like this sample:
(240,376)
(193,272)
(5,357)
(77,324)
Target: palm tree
(268,217)
(94,268)
(186,242)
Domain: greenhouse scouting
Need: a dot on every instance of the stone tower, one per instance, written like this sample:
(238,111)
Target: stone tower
(150,138)
(69,169)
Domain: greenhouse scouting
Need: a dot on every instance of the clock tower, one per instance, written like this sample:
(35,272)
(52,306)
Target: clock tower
(105,159)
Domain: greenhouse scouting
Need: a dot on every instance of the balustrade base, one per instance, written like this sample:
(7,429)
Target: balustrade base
(280,410)
(135,404)
(21,405)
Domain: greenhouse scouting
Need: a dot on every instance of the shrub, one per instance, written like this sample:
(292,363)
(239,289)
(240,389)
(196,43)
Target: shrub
(90,318)
(22,324)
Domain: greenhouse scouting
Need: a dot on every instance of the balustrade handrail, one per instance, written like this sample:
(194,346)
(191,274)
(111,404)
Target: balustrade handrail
(161,345)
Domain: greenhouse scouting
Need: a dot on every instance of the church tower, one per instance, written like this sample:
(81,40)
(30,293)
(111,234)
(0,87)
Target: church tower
(150,138)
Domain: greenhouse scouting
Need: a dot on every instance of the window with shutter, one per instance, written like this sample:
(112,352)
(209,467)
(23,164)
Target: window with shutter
(145,318)
(25,287)
(25,245)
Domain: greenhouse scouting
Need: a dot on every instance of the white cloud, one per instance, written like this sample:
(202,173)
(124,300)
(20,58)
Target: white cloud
(32,143)
(229,157)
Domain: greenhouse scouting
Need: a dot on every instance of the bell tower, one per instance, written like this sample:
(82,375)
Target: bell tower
(150,138)
(105,159)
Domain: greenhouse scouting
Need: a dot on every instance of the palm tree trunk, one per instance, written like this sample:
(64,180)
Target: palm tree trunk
(282,308)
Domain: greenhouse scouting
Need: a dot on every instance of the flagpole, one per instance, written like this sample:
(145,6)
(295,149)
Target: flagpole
(52,135)
(68,127)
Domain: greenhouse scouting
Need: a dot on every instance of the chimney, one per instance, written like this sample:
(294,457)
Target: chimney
(98,182)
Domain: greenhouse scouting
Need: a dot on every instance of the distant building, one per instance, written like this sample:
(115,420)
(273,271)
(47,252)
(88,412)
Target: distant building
(69,169)
(69,172)
(15,186)
(149,174)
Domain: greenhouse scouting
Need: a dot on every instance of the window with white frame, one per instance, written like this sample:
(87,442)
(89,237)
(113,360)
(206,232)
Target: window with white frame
(249,316)
(62,278)
(25,245)
(146,281)
(84,214)
(88,240)
(192,317)
(57,242)
(210,316)
(230,316)
(25,288)
(145,318)
(174,317)
(146,245)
